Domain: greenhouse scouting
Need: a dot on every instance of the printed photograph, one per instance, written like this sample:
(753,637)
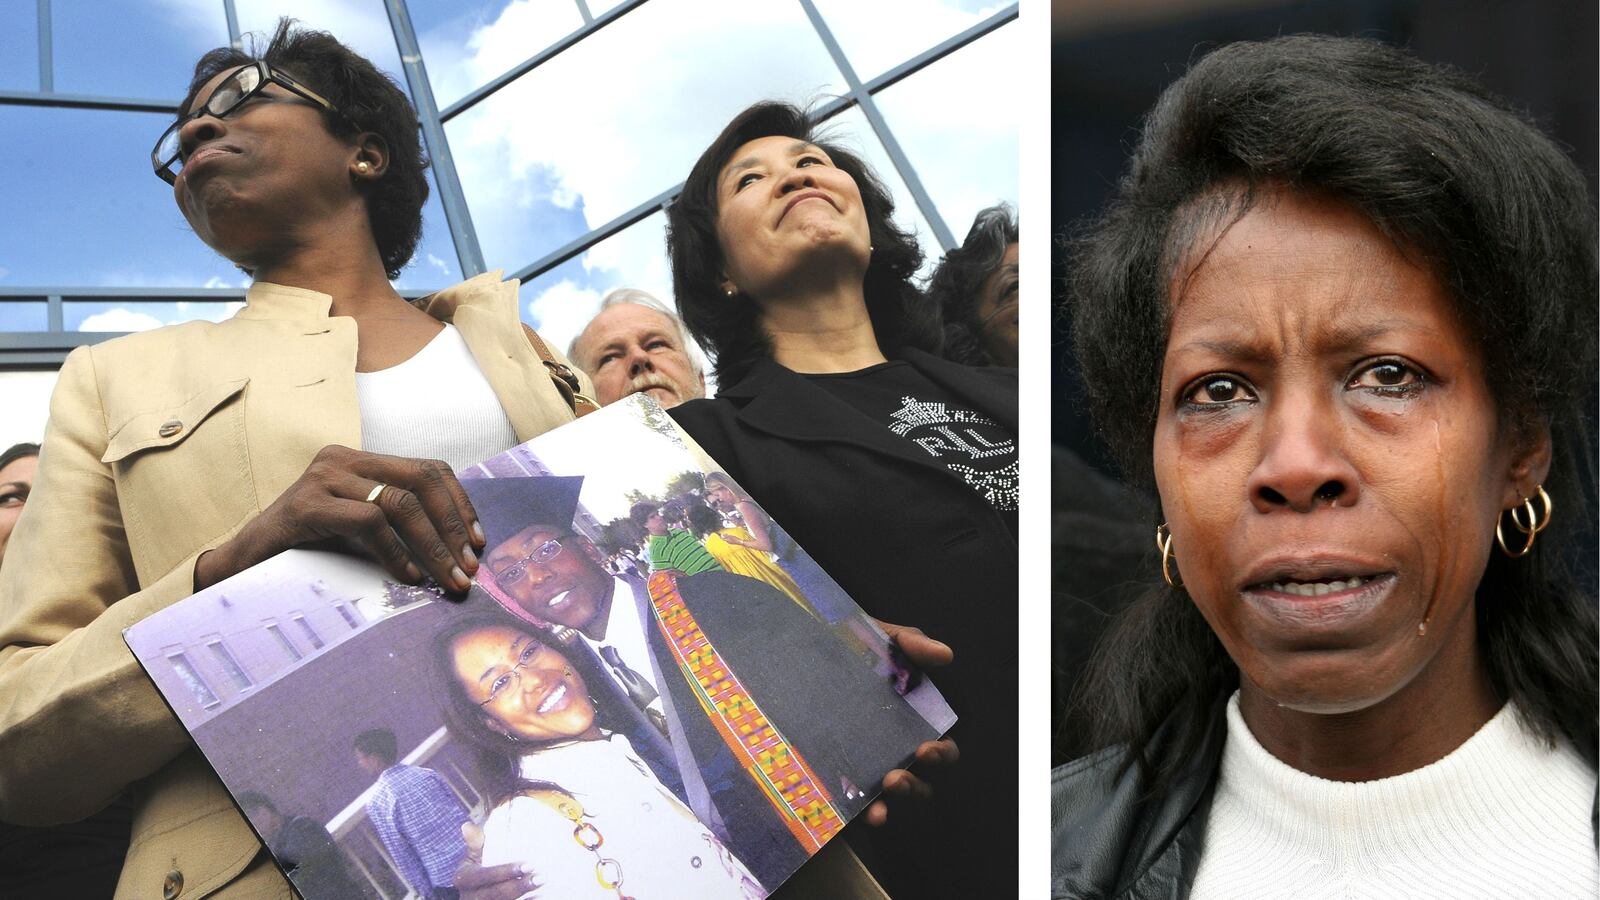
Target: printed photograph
(649,688)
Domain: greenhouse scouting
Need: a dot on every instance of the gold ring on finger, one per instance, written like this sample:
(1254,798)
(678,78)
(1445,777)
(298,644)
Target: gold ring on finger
(373,497)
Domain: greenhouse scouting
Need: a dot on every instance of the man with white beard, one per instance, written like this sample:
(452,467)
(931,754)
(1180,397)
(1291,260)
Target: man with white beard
(636,344)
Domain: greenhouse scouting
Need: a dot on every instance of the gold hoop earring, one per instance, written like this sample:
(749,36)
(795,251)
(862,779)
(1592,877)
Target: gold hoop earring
(1164,544)
(1537,521)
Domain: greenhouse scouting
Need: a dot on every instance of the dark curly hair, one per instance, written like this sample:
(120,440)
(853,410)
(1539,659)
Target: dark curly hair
(1451,174)
(369,101)
(957,283)
(16,452)
(730,330)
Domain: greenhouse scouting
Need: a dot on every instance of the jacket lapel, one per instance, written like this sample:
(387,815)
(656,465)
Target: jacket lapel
(484,308)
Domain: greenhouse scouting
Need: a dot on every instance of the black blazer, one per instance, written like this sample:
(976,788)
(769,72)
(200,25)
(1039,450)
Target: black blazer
(914,545)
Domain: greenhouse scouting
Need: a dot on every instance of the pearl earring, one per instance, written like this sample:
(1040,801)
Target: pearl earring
(363,167)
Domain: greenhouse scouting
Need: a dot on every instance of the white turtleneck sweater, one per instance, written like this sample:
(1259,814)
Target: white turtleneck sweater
(1501,816)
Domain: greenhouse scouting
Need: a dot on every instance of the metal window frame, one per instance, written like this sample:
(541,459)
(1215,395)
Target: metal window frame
(33,350)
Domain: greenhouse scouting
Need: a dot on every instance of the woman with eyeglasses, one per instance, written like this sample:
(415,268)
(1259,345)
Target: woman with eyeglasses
(896,470)
(329,410)
(568,798)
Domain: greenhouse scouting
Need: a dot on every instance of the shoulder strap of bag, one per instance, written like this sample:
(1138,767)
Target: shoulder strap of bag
(565,381)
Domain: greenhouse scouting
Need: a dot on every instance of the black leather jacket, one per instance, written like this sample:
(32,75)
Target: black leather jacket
(1109,838)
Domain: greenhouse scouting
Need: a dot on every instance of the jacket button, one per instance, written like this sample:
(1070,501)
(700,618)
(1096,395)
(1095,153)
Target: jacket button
(172,885)
(170,428)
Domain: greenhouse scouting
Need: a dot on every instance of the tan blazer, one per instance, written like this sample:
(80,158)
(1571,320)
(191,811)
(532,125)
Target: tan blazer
(160,446)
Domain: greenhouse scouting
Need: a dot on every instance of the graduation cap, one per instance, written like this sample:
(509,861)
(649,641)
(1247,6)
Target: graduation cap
(506,506)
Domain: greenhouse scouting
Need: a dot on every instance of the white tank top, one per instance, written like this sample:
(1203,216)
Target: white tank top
(435,405)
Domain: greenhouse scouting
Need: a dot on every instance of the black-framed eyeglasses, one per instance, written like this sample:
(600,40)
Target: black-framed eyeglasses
(541,555)
(229,94)
(499,687)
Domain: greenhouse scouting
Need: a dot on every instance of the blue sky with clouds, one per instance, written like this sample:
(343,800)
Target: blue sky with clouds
(605,126)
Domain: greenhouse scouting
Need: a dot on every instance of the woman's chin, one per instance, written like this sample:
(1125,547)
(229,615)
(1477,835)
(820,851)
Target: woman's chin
(1327,682)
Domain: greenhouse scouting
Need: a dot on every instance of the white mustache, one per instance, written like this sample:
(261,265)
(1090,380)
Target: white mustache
(647,380)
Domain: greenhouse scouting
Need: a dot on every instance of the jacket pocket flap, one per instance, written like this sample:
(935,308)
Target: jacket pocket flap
(167,427)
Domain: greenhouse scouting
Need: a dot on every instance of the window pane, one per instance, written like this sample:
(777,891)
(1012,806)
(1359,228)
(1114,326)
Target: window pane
(967,153)
(24,315)
(361,25)
(620,117)
(878,36)
(351,617)
(63,164)
(133,48)
(852,129)
(560,302)
(310,633)
(19,46)
(224,658)
(191,678)
(130,315)
(434,265)
(468,44)
(283,640)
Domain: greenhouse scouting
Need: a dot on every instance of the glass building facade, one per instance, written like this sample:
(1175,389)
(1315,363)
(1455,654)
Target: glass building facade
(559,130)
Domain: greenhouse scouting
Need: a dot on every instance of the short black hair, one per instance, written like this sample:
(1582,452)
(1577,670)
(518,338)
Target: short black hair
(1462,183)
(957,283)
(643,510)
(379,743)
(729,329)
(16,452)
(369,100)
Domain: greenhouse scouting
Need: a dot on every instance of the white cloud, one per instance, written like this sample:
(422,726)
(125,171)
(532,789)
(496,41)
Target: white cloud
(621,116)
(120,319)
(362,25)
(440,264)
(880,35)
(561,311)
(969,157)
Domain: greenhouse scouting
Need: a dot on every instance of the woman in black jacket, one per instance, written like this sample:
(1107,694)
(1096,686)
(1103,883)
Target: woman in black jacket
(895,469)
(1342,317)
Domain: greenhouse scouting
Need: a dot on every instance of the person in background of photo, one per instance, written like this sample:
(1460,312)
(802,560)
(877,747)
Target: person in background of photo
(17,465)
(178,457)
(894,468)
(671,548)
(416,814)
(1342,316)
(759,532)
(81,858)
(305,848)
(729,543)
(975,287)
(635,344)
(557,764)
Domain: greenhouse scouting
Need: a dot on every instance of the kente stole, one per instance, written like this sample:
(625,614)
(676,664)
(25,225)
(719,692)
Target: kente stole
(787,781)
